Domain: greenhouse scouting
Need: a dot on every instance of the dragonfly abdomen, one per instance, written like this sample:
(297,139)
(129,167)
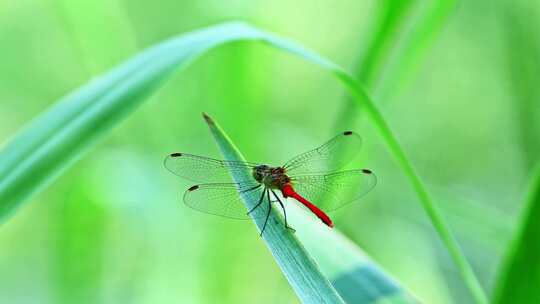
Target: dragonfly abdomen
(288,191)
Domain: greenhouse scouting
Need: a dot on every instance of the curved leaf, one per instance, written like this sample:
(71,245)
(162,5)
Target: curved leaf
(520,275)
(56,139)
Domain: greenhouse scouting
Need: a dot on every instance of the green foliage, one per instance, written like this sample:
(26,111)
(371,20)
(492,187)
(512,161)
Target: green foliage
(109,231)
(520,272)
(56,139)
(432,16)
(81,228)
(396,48)
(389,27)
(520,275)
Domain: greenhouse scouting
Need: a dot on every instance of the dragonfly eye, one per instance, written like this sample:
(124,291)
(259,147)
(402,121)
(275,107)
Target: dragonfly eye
(262,169)
(259,172)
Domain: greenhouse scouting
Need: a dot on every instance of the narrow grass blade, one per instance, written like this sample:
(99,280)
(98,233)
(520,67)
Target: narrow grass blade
(522,62)
(387,31)
(297,265)
(430,23)
(384,73)
(519,277)
(55,140)
(432,17)
(436,218)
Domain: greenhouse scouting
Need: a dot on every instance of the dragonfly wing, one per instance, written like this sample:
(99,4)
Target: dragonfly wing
(201,169)
(223,199)
(331,156)
(334,190)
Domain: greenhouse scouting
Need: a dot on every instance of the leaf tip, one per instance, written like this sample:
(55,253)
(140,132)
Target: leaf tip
(208,119)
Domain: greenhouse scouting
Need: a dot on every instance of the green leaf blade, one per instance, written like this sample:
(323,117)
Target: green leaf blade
(352,272)
(519,277)
(297,265)
(56,139)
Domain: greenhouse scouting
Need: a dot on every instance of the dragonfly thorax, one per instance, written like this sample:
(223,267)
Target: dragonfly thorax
(272,177)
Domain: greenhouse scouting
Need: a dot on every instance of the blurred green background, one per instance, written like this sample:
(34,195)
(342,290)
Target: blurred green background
(113,230)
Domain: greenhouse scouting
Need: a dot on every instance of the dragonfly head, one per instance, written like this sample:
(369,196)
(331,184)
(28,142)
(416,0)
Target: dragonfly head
(260,172)
(272,177)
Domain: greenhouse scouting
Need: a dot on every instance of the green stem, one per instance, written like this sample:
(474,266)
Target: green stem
(440,225)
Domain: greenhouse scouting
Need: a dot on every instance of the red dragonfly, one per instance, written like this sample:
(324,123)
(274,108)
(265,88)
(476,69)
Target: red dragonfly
(311,178)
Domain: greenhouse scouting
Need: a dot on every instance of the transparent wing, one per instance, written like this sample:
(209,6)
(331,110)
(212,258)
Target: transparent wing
(330,157)
(201,169)
(334,190)
(223,199)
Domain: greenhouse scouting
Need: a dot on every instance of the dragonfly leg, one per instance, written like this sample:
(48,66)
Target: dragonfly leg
(284,212)
(267,192)
(259,203)
(249,189)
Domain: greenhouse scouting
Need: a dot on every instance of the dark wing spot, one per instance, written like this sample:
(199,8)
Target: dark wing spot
(347,133)
(192,188)
(367,171)
(176,154)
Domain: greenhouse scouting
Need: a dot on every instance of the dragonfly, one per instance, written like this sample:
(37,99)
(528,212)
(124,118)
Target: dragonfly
(314,179)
